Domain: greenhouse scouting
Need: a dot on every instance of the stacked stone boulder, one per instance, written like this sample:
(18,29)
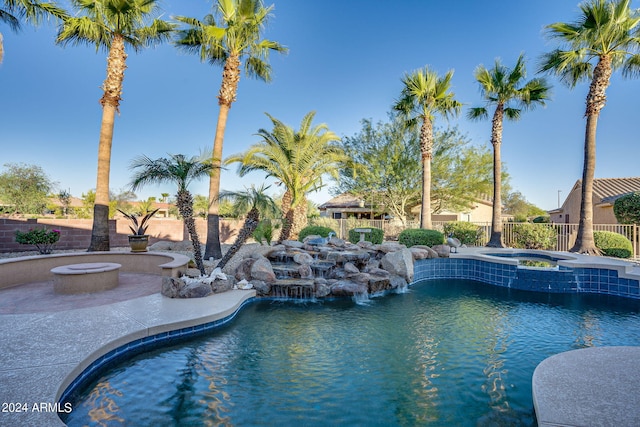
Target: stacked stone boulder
(333,268)
(315,268)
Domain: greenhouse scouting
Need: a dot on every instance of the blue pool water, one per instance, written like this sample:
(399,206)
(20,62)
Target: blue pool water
(448,352)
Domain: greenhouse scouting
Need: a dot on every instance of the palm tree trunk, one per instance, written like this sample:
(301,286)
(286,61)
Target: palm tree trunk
(287,219)
(426,144)
(213,249)
(184,202)
(299,218)
(226,97)
(596,100)
(250,225)
(585,242)
(116,64)
(496,141)
(100,228)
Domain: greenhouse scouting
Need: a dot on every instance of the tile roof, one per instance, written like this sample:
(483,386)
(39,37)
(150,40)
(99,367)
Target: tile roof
(612,188)
(344,200)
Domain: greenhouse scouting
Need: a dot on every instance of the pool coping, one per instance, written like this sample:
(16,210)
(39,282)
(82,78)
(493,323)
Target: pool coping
(43,353)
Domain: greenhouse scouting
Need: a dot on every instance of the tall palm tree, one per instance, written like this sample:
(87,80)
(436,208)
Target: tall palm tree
(180,170)
(252,201)
(604,38)
(505,89)
(34,11)
(235,38)
(424,95)
(111,25)
(296,159)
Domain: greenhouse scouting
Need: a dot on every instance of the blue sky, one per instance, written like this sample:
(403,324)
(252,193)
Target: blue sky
(346,61)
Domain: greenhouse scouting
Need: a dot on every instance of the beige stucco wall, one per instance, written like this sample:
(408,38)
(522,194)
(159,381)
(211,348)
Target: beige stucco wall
(571,207)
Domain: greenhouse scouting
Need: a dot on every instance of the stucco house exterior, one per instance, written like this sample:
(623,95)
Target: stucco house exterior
(480,212)
(605,193)
(347,205)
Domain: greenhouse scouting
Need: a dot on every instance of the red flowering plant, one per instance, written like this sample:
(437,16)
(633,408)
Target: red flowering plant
(41,238)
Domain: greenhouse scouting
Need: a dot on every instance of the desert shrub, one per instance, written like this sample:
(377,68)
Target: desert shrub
(325,222)
(533,236)
(613,244)
(468,233)
(316,230)
(519,218)
(542,219)
(627,209)
(41,238)
(264,231)
(374,237)
(420,236)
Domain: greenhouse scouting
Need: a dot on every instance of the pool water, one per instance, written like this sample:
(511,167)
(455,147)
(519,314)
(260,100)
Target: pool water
(446,353)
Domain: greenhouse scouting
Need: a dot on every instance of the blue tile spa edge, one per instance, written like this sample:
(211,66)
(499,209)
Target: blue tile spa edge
(561,279)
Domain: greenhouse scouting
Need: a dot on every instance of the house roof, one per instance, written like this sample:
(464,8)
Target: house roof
(609,189)
(344,200)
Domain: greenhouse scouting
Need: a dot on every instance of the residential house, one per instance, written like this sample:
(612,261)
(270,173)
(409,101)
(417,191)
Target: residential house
(605,193)
(481,211)
(347,205)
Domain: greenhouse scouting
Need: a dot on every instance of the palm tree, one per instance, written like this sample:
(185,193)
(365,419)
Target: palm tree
(180,170)
(32,10)
(296,159)
(425,94)
(606,34)
(254,201)
(505,88)
(111,25)
(234,38)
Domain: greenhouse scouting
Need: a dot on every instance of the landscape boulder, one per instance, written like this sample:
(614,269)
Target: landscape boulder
(399,263)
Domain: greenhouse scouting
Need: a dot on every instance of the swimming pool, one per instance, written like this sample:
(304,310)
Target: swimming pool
(449,352)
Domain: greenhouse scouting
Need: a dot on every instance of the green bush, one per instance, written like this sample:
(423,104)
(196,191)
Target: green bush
(613,244)
(533,236)
(520,218)
(316,230)
(376,236)
(627,209)
(542,219)
(264,231)
(420,236)
(41,238)
(468,233)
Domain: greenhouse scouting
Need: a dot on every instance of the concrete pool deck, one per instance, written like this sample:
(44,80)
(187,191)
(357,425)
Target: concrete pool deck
(43,352)
(49,339)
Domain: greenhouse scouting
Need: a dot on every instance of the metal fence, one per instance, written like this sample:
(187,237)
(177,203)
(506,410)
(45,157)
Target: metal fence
(566,233)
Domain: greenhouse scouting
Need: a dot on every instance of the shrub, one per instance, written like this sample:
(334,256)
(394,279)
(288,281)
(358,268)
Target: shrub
(325,222)
(420,236)
(376,236)
(468,233)
(613,244)
(41,238)
(533,236)
(520,218)
(316,230)
(264,231)
(627,209)
(542,219)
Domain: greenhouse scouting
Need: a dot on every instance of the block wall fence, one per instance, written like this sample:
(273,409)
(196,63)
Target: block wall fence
(76,233)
